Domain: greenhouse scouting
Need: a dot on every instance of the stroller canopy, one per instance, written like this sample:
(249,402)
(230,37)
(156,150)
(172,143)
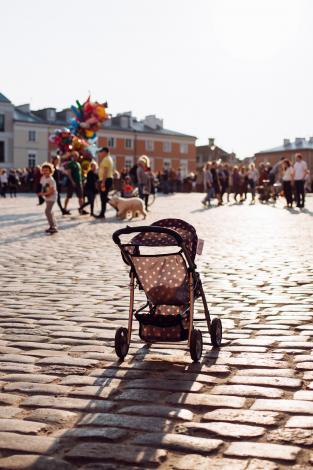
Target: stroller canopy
(185,230)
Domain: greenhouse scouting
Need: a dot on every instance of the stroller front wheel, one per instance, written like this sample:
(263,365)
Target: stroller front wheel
(196,345)
(121,342)
(216,332)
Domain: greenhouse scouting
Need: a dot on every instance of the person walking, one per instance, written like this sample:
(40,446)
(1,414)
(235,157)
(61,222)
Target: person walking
(252,180)
(300,172)
(216,183)
(57,175)
(49,192)
(75,181)
(288,174)
(237,184)
(105,178)
(142,164)
(4,182)
(208,185)
(91,187)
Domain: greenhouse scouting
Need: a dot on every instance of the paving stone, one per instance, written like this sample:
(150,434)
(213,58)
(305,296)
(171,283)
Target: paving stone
(256,464)
(304,366)
(267,372)
(22,426)
(101,391)
(9,411)
(139,423)
(265,418)
(17,367)
(51,415)
(118,453)
(263,380)
(169,385)
(247,390)
(178,442)
(23,443)
(206,400)
(67,403)
(67,361)
(288,406)
(9,399)
(205,463)
(35,378)
(141,395)
(34,462)
(292,436)
(110,434)
(225,429)
(257,449)
(26,387)
(303,395)
(158,410)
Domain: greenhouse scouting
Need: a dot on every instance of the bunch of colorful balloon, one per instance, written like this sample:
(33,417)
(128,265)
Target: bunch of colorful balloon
(88,118)
(63,139)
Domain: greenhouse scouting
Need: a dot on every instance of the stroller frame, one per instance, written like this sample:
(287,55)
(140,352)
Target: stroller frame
(195,289)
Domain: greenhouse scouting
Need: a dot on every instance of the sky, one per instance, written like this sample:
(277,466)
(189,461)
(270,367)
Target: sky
(240,71)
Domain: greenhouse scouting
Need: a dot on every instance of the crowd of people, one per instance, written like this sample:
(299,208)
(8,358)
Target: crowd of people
(284,178)
(220,180)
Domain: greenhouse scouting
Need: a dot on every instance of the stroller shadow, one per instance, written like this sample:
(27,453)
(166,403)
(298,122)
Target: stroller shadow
(138,410)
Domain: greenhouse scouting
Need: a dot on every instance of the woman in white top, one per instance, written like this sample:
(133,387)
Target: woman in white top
(288,175)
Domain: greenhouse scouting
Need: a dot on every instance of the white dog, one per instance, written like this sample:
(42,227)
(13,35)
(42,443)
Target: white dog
(124,205)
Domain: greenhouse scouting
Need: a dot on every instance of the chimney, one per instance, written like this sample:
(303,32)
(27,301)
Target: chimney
(211,143)
(286,142)
(299,141)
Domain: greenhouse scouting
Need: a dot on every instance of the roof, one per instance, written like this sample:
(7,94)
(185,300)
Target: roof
(134,126)
(140,127)
(292,146)
(4,99)
(26,117)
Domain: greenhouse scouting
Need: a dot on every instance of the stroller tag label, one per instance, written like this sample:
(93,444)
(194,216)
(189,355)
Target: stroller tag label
(200,246)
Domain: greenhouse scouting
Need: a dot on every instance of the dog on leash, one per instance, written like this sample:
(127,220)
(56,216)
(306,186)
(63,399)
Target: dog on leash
(125,205)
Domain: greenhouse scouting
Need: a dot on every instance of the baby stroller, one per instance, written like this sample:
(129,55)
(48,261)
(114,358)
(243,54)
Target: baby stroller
(171,285)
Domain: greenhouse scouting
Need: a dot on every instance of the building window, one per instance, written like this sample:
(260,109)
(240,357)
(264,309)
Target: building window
(31,160)
(128,161)
(167,146)
(183,148)
(31,136)
(149,145)
(2,159)
(129,143)
(111,142)
(183,168)
(2,121)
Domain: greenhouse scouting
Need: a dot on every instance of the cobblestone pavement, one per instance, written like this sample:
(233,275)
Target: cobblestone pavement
(66,403)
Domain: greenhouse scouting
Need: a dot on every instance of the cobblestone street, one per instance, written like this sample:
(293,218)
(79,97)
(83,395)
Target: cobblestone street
(67,403)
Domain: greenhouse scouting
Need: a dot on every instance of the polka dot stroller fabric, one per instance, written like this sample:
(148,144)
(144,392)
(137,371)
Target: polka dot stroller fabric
(185,230)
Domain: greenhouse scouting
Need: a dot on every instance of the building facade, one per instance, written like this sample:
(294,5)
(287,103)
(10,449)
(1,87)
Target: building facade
(288,150)
(24,139)
(211,152)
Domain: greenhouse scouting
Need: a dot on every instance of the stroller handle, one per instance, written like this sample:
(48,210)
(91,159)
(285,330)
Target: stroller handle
(146,229)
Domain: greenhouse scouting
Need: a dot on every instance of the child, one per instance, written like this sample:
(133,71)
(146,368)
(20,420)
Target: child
(49,192)
(128,188)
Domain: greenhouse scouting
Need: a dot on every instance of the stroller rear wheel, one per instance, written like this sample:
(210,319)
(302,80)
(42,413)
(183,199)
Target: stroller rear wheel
(121,342)
(216,332)
(195,345)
